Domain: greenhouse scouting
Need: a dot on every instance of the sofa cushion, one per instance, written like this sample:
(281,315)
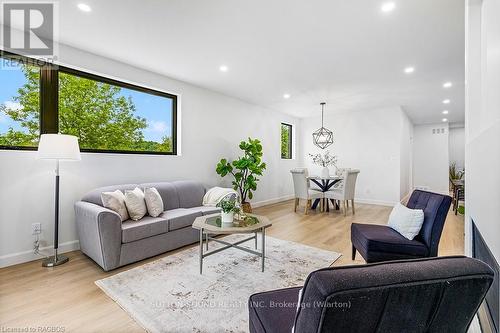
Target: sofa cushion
(168,194)
(380,238)
(143,228)
(207,210)
(190,193)
(94,196)
(180,217)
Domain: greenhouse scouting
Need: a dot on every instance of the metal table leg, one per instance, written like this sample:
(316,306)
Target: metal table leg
(201,250)
(263,247)
(256,241)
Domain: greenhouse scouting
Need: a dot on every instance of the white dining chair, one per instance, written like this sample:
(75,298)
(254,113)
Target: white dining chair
(340,173)
(346,192)
(302,189)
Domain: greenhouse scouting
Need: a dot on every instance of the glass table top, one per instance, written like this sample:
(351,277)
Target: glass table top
(243,222)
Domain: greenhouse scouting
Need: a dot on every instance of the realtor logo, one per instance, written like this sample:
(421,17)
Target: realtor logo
(29,28)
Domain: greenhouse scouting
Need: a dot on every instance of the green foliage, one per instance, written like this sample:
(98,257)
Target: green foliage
(228,205)
(454,173)
(93,111)
(28,116)
(245,169)
(285,141)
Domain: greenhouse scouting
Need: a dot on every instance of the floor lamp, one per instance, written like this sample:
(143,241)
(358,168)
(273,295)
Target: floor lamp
(57,147)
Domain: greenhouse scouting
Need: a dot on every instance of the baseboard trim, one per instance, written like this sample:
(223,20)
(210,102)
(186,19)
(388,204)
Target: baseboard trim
(405,198)
(375,202)
(291,196)
(272,201)
(26,256)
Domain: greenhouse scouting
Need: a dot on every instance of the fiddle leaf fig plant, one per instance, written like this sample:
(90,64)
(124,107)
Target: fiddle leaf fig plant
(245,169)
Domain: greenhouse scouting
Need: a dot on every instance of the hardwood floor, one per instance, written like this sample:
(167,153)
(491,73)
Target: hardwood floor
(66,297)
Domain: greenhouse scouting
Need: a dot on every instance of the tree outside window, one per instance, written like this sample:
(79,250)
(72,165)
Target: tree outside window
(286,141)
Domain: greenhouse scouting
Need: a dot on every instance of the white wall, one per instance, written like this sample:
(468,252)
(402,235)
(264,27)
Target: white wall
(212,125)
(366,140)
(406,157)
(482,123)
(430,157)
(457,146)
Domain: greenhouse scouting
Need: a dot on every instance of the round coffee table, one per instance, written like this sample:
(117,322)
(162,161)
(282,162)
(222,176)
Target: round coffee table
(211,225)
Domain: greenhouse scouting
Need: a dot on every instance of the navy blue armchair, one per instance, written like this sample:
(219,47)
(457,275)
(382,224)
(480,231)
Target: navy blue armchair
(420,295)
(378,243)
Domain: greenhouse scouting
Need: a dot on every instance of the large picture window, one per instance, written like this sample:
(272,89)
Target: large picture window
(106,115)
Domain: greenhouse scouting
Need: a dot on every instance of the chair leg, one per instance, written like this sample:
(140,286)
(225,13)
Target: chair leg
(321,205)
(308,204)
(296,204)
(353,252)
(352,202)
(347,203)
(345,207)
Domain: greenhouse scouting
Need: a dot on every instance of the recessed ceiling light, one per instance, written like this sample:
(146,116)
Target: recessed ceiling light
(447,84)
(445,112)
(223,68)
(388,7)
(446,101)
(286,96)
(84,7)
(444,120)
(409,70)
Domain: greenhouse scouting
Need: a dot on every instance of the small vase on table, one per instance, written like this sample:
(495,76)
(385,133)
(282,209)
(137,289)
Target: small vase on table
(325,172)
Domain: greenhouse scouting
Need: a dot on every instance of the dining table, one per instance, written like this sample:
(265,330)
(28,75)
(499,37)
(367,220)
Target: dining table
(325,184)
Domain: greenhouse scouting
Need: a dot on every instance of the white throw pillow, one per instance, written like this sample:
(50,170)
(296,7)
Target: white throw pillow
(406,221)
(116,202)
(154,203)
(136,206)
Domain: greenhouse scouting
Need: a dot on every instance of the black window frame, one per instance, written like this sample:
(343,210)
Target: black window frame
(49,102)
(290,141)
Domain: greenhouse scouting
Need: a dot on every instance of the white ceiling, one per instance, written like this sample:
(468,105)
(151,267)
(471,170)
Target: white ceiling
(344,52)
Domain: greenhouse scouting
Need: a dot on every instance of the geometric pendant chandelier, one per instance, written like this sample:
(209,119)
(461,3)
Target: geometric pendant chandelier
(322,137)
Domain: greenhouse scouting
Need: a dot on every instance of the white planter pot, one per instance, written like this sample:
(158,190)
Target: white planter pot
(227,218)
(325,173)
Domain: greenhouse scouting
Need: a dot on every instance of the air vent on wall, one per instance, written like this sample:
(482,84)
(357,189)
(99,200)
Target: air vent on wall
(441,130)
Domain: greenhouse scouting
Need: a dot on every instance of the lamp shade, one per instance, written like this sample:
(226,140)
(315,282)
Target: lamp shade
(58,147)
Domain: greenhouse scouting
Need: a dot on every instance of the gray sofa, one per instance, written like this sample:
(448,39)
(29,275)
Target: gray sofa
(112,243)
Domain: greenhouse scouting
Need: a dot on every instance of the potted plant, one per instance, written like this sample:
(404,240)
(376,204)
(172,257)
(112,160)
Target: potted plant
(229,207)
(455,174)
(324,160)
(245,171)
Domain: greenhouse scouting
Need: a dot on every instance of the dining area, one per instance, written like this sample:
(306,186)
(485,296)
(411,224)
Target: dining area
(326,192)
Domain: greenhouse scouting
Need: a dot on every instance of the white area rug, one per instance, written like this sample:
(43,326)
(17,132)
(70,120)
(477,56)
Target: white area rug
(169,295)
